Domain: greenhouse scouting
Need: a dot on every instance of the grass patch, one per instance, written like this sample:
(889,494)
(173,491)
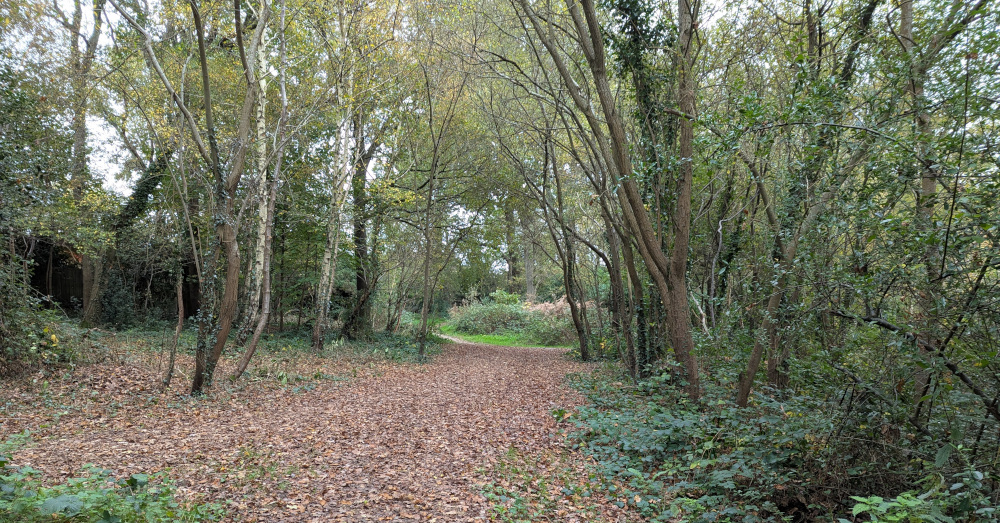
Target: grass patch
(507,339)
(502,319)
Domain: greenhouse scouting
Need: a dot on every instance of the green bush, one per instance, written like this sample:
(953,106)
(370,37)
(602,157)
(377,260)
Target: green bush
(96,495)
(488,318)
(504,314)
(793,460)
(118,301)
(43,338)
(397,347)
(505,298)
(549,330)
(962,499)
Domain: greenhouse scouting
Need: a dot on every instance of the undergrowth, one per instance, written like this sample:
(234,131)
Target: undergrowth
(523,488)
(96,495)
(793,459)
(502,319)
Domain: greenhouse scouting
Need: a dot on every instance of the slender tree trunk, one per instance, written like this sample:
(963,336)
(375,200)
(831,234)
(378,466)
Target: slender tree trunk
(927,201)
(513,264)
(179,288)
(93,273)
(428,253)
(48,275)
(327,272)
(643,348)
(271,201)
(678,315)
(615,151)
(328,265)
(530,293)
(573,296)
(257,275)
(281,287)
(225,245)
(619,312)
(358,324)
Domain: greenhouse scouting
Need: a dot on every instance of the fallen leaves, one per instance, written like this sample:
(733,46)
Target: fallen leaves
(402,444)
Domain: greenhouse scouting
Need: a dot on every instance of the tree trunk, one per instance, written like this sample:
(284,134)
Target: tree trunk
(93,278)
(428,253)
(619,312)
(616,155)
(271,200)
(678,315)
(328,265)
(573,296)
(81,62)
(254,282)
(179,287)
(358,323)
(530,293)
(225,245)
(927,201)
(327,272)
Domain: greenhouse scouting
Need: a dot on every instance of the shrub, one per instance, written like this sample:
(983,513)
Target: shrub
(118,301)
(398,347)
(546,323)
(794,460)
(42,339)
(505,298)
(488,318)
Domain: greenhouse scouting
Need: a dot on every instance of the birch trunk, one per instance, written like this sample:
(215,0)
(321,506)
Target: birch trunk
(257,273)
(328,264)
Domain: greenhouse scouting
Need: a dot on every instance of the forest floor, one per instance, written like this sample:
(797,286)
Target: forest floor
(470,436)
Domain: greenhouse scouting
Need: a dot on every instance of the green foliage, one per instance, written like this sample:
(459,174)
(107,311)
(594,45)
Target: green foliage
(34,146)
(487,318)
(502,297)
(711,461)
(96,495)
(396,347)
(963,499)
(525,488)
(118,301)
(44,338)
(505,320)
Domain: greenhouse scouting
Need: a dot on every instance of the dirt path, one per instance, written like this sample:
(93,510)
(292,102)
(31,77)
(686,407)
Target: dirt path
(406,445)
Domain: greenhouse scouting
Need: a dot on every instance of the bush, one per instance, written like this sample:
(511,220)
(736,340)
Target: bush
(793,460)
(488,318)
(118,301)
(397,347)
(96,495)
(505,298)
(547,323)
(41,339)
(550,330)
(679,460)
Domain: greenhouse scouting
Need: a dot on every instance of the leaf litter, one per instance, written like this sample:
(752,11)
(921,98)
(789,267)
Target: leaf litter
(396,442)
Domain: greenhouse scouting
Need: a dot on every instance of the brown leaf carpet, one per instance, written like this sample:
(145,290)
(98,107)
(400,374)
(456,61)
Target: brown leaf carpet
(403,445)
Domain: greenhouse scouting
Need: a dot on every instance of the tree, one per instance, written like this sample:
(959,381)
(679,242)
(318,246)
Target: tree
(669,274)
